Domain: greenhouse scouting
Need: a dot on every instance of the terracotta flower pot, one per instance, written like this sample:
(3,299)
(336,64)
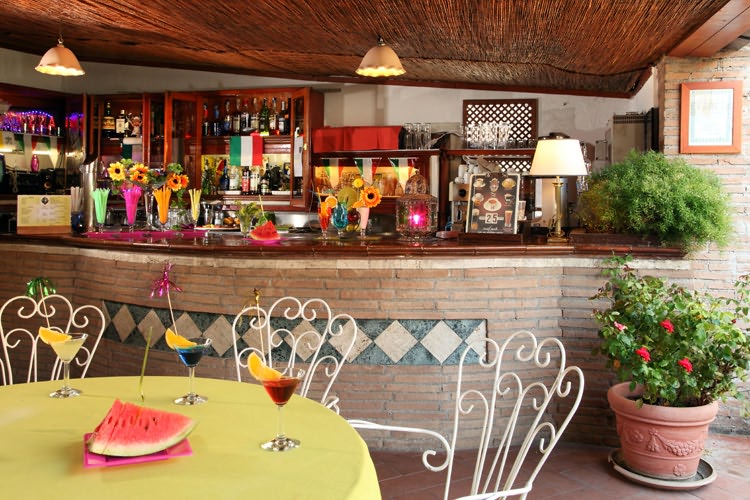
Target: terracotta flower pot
(662,442)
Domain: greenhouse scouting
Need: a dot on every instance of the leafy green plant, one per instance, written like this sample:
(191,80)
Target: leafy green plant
(649,194)
(686,348)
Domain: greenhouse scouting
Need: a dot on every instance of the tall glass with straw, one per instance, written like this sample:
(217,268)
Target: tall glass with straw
(195,204)
(100,196)
(162,196)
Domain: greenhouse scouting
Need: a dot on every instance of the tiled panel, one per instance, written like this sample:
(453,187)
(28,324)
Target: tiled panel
(389,342)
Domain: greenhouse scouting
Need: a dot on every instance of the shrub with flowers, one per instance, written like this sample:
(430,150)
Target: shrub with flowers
(684,347)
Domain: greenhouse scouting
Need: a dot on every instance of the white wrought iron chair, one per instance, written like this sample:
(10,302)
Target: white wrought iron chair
(20,319)
(522,396)
(292,332)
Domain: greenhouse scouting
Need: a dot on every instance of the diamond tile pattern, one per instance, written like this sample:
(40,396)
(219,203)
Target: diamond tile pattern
(406,342)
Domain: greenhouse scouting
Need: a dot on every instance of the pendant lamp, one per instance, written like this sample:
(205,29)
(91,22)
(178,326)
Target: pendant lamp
(59,60)
(380,61)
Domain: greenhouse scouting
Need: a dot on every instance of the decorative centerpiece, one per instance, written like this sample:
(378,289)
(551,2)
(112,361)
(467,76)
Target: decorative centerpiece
(416,210)
(679,351)
(354,202)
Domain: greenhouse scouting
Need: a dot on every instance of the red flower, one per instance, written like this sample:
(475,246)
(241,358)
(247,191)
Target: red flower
(686,364)
(668,326)
(643,352)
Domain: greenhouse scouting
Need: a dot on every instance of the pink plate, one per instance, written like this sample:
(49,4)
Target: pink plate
(181,449)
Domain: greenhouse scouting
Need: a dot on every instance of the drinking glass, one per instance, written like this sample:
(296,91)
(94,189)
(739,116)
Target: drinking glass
(324,217)
(66,351)
(190,356)
(131,195)
(162,196)
(280,390)
(100,206)
(340,218)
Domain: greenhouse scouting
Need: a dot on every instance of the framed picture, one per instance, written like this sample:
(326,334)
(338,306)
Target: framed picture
(493,203)
(711,117)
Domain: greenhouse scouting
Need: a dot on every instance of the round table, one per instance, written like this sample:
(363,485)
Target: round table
(41,455)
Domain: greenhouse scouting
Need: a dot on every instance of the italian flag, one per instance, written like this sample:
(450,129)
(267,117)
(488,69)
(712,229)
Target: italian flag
(403,168)
(367,168)
(246,150)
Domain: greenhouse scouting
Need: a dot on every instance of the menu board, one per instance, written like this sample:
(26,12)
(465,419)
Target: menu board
(493,203)
(43,214)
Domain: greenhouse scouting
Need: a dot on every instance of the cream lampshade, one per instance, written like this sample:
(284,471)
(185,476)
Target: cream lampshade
(59,60)
(557,156)
(380,61)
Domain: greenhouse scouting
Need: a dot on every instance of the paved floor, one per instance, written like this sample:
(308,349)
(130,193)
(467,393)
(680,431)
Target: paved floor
(577,471)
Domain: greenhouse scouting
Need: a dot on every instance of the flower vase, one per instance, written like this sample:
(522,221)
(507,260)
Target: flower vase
(131,195)
(148,206)
(364,217)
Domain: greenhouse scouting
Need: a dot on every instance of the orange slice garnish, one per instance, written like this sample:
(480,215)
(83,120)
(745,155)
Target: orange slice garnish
(49,336)
(175,340)
(259,370)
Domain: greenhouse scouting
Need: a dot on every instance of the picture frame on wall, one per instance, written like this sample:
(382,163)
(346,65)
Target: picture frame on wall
(711,117)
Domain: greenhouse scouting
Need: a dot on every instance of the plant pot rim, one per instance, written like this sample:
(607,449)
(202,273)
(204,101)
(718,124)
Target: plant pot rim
(620,397)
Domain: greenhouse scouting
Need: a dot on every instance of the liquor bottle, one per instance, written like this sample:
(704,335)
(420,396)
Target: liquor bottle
(236,128)
(227,127)
(121,124)
(263,124)
(255,117)
(224,180)
(245,187)
(245,119)
(283,119)
(272,119)
(108,122)
(216,125)
(254,180)
(265,182)
(206,123)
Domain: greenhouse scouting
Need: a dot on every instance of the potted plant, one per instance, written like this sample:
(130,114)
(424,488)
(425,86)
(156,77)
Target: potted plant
(679,351)
(652,196)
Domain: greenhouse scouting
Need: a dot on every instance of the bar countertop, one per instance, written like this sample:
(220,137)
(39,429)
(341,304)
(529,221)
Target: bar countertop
(312,245)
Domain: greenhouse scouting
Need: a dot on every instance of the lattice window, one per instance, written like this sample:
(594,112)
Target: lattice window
(520,113)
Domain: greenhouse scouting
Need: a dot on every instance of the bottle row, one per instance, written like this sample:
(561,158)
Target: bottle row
(253,180)
(239,118)
(120,126)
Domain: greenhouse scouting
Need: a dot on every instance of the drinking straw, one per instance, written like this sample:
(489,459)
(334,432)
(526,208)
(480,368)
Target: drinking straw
(131,195)
(100,203)
(162,196)
(143,365)
(195,200)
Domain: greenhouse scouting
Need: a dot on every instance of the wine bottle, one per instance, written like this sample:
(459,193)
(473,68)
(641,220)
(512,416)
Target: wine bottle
(224,179)
(255,117)
(227,127)
(108,122)
(245,119)
(216,125)
(283,125)
(265,182)
(263,125)
(273,116)
(206,123)
(121,124)
(245,187)
(236,116)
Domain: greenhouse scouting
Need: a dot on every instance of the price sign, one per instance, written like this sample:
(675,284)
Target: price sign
(43,214)
(493,203)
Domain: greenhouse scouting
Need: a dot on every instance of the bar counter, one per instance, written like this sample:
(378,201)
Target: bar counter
(415,305)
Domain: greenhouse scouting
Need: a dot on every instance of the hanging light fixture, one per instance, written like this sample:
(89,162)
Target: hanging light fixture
(59,60)
(380,61)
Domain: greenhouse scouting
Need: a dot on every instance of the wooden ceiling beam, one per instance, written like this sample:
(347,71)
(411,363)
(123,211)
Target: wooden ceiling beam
(731,22)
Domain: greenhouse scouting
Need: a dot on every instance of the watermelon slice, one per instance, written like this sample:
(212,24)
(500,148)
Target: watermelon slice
(129,430)
(265,232)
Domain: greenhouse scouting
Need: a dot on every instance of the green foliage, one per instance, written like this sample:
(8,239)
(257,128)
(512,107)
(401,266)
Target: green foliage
(651,195)
(695,344)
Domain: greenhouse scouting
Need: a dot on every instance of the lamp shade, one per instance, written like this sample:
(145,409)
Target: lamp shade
(59,60)
(557,157)
(380,61)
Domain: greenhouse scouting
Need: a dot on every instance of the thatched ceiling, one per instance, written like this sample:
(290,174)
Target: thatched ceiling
(598,47)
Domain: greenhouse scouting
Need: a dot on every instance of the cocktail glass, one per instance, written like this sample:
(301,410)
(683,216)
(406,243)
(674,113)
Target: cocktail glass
(100,196)
(131,195)
(190,356)
(280,390)
(340,218)
(324,216)
(66,350)
(162,196)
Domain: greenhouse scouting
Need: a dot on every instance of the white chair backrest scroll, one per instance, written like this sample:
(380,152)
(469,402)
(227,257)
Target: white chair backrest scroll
(513,401)
(20,319)
(292,332)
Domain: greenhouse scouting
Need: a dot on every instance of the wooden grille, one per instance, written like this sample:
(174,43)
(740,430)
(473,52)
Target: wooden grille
(520,113)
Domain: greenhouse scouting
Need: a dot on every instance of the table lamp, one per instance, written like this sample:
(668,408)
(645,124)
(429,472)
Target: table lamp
(557,156)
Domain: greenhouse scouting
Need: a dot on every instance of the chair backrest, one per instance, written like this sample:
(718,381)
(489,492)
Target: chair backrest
(292,332)
(20,319)
(513,401)
(524,395)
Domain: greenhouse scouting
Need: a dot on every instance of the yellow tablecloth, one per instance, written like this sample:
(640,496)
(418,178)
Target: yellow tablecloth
(41,445)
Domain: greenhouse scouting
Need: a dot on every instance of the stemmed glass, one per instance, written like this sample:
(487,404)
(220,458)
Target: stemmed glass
(131,195)
(280,390)
(66,350)
(324,217)
(340,218)
(100,196)
(190,356)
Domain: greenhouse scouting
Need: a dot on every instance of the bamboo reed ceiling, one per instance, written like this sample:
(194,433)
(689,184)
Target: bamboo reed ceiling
(597,47)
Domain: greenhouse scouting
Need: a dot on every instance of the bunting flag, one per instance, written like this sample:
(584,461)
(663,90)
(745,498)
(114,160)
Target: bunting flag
(333,168)
(367,168)
(404,169)
(246,150)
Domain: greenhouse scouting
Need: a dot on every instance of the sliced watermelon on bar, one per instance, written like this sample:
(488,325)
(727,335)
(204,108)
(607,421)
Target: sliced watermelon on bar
(265,232)
(129,430)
